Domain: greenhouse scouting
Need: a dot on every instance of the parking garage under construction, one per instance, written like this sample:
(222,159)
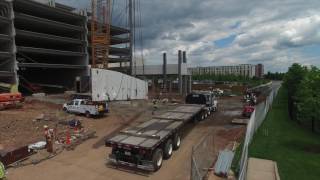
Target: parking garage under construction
(48,45)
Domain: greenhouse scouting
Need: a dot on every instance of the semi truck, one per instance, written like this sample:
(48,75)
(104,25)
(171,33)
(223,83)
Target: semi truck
(146,145)
(206,98)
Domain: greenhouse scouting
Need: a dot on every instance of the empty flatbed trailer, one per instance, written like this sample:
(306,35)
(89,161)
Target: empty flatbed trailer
(146,145)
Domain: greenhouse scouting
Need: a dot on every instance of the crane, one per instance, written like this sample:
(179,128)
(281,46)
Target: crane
(100,32)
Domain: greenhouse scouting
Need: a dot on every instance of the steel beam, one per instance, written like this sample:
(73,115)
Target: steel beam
(118,40)
(51,66)
(5,54)
(49,51)
(118,31)
(114,30)
(33,20)
(39,8)
(52,38)
(119,60)
(6,74)
(119,51)
(4,37)
(4,20)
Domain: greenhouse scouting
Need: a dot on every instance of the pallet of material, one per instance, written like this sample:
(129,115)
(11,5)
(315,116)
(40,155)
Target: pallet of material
(240,121)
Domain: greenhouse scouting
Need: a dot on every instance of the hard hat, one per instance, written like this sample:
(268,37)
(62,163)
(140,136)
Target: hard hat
(45,127)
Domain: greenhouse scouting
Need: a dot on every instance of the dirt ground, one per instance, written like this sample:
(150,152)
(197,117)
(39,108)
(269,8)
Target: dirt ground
(20,127)
(88,160)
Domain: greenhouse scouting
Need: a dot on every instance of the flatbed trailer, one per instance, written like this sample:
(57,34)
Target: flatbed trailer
(146,145)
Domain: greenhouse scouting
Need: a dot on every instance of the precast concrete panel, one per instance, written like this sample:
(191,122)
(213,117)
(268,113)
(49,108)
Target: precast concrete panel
(112,85)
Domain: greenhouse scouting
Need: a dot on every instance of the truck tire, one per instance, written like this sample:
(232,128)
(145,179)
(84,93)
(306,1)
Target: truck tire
(195,119)
(176,142)
(202,116)
(168,149)
(88,115)
(157,159)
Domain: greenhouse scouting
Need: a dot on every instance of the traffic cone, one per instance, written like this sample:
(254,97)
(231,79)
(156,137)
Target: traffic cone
(75,130)
(68,138)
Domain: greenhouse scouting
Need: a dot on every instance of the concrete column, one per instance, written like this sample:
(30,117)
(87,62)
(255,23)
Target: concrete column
(131,35)
(184,57)
(164,70)
(179,71)
(190,84)
(185,78)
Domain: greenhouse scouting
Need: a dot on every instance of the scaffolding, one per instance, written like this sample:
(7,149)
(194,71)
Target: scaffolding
(100,29)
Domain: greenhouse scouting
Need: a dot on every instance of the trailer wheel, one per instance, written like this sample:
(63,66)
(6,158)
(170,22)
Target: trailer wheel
(157,159)
(168,148)
(176,142)
(88,115)
(195,119)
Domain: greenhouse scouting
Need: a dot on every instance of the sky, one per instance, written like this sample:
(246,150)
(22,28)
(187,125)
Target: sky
(275,33)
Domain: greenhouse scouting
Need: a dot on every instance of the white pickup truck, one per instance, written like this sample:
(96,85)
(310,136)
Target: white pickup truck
(86,107)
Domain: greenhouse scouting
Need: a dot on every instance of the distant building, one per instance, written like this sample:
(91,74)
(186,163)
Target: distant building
(248,70)
(259,70)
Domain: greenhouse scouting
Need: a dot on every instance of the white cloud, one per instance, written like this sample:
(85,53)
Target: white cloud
(273,32)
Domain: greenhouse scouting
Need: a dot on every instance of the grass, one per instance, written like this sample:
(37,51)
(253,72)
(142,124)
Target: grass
(295,149)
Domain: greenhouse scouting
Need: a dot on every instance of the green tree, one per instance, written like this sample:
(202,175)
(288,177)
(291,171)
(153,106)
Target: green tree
(307,98)
(292,81)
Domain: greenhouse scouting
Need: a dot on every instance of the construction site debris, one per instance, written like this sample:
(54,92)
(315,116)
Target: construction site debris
(38,146)
(74,123)
(19,154)
(39,95)
(240,121)
(223,163)
(77,139)
(10,100)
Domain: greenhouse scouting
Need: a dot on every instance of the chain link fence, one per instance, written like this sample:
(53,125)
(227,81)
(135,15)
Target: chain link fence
(255,122)
(202,157)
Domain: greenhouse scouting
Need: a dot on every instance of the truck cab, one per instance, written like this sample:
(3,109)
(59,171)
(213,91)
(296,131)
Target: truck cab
(206,98)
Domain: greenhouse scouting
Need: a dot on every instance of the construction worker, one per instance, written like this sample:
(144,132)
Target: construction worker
(2,171)
(155,106)
(49,138)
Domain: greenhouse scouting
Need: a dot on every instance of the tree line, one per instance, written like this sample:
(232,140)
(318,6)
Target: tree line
(274,76)
(254,81)
(303,86)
